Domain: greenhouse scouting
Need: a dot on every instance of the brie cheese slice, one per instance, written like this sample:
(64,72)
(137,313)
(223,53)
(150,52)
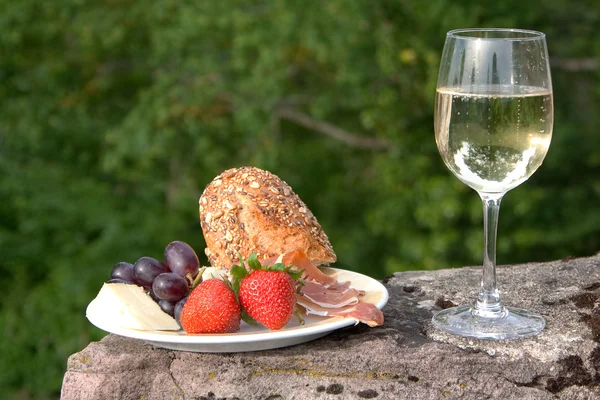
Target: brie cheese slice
(129,306)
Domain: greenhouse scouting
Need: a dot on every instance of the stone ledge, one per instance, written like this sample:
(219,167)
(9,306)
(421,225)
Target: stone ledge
(406,358)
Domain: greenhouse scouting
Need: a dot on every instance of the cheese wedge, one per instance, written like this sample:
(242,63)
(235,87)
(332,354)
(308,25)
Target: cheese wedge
(129,306)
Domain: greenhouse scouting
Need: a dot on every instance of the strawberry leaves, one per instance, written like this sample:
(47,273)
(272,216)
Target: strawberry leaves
(248,319)
(239,272)
(253,262)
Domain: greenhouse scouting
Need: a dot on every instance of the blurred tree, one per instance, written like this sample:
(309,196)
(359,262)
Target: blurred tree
(114,116)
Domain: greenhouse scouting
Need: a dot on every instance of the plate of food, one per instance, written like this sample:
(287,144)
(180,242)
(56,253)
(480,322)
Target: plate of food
(253,338)
(283,294)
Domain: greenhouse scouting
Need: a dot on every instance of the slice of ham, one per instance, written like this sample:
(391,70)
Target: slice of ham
(301,262)
(323,295)
(334,296)
(362,311)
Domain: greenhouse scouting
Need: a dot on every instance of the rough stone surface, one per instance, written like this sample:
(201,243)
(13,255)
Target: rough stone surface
(406,358)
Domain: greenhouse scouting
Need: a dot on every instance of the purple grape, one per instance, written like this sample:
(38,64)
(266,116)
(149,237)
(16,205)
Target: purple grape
(154,297)
(146,269)
(182,259)
(167,306)
(170,286)
(119,280)
(178,308)
(124,271)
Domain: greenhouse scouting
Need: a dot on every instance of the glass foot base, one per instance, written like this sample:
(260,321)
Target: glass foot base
(514,323)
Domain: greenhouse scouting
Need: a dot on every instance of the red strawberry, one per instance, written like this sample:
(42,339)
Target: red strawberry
(269,297)
(211,308)
(267,294)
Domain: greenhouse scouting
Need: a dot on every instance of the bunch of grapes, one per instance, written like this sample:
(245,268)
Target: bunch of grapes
(168,283)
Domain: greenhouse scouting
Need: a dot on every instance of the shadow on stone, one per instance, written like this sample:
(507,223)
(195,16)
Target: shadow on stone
(573,373)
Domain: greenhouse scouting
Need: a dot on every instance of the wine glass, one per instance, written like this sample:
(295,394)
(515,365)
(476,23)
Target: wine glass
(493,125)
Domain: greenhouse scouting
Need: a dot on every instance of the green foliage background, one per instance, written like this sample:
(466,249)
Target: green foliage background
(114,115)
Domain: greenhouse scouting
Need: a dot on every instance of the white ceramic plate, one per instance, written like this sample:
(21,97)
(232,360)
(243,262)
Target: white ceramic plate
(251,338)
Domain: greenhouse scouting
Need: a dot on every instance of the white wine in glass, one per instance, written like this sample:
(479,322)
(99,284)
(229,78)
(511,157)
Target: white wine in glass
(493,126)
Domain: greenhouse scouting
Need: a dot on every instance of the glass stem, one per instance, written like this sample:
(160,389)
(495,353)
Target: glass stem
(488,304)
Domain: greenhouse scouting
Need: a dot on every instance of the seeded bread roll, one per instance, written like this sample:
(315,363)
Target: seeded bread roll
(247,210)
